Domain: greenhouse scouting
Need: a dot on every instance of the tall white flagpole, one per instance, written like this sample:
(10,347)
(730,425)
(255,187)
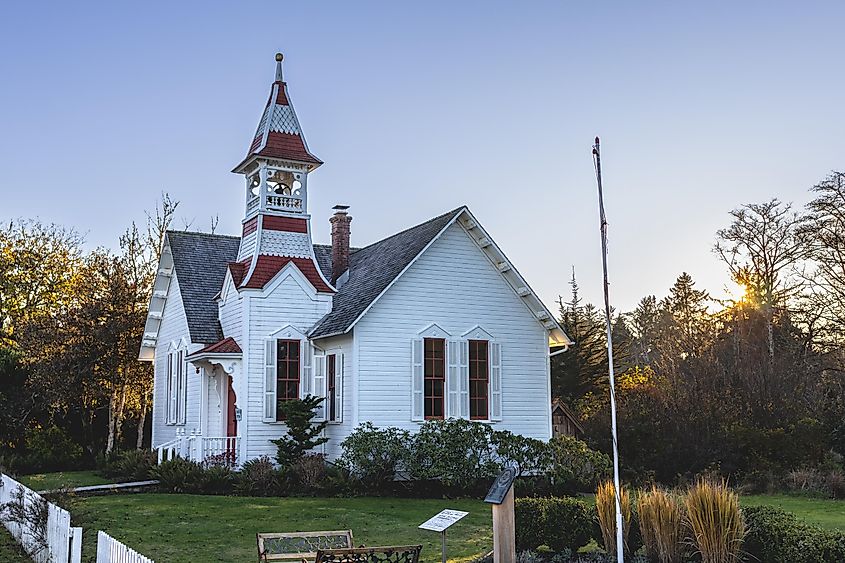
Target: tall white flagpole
(620,555)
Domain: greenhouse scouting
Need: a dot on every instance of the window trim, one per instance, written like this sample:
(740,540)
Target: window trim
(176,387)
(486,379)
(443,379)
(299,364)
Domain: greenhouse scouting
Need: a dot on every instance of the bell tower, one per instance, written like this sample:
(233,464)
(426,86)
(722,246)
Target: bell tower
(276,224)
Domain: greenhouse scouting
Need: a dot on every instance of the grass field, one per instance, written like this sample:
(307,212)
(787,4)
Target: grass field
(826,513)
(51,481)
(183,528)
(10,551)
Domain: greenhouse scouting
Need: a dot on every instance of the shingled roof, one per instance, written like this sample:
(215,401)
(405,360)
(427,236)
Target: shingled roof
(201,260)
(372,268)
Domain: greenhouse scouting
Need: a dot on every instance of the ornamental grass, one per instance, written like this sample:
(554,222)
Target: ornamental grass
(606,513)
(661,525)
(715,522)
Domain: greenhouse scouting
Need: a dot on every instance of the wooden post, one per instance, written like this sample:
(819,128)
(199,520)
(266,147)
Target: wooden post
(504,531)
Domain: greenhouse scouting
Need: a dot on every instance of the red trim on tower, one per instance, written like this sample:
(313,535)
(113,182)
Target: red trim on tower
(239,270)
(287,146)
(268,266)
(250,226)
(282,95)
(256,142)
(289,224)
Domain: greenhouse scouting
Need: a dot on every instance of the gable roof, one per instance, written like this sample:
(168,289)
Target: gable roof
(199,285)
(373,268)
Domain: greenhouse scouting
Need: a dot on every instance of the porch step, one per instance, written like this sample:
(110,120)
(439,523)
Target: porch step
(133,487)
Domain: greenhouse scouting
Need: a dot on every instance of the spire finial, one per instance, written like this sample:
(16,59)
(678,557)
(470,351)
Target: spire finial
(279,58)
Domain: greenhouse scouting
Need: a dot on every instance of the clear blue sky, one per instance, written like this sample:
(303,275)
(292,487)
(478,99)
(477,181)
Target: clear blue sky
(417,108)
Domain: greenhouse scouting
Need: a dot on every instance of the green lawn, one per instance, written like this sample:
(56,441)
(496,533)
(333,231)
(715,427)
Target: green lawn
(50,481)
(183,528)
(822,512)
(10,551)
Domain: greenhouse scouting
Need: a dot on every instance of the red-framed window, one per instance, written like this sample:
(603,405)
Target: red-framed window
(434,377)
(331,384)
(287,373)
(479,380)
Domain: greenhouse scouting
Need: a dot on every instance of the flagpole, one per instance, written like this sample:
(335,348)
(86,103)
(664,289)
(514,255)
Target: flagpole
(620,555)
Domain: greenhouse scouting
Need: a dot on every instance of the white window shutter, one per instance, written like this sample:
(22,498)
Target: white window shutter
(417,412)
(270,381)
(463,362)
(183,385)
(338,388)
(306,378)
(320,385)
(495,381)
(453,384)
(171,389)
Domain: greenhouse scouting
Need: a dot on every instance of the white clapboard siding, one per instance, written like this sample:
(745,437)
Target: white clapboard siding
(454,285)
(63,542)
(109,550)
(231,311)
(337,431)
(283,303)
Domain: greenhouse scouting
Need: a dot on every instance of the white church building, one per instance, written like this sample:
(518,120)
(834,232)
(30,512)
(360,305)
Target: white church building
(429,323)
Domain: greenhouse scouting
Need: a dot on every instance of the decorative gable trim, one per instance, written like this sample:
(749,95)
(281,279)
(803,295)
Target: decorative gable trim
(477,333)
(288,332)
(433,330)
(155,311)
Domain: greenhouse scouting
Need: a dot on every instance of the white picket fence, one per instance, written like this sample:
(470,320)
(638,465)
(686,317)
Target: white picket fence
(109,550)
(58,543)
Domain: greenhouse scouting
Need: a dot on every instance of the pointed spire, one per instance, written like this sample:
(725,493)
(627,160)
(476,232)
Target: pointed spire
(279,59)
(279,135)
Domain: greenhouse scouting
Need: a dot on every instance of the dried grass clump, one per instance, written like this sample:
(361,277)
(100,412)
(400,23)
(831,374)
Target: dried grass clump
(715,522)
(661,525)
(606,512)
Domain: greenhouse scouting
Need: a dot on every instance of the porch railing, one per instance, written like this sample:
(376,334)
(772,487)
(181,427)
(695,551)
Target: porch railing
(222,450)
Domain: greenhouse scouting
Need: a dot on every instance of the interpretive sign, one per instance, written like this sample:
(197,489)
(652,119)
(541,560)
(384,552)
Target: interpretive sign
(501,486)
(442,520)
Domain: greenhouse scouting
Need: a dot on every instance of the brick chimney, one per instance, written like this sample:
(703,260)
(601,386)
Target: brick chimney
(340,241)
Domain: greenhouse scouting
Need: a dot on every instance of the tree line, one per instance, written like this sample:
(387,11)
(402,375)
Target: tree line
(71,323)
(747,387)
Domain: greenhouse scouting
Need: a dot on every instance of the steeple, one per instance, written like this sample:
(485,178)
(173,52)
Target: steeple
(276,224)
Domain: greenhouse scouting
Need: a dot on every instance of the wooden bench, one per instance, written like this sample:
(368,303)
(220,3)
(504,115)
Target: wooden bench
(300,546)
(390,554)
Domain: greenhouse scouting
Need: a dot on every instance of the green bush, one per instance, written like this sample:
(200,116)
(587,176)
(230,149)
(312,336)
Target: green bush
(373,455)
(558,523)
(130,465)
(574,466)
(455,452)
(179,476)
(216,480)
(776,536)
(258,478)
(51,449)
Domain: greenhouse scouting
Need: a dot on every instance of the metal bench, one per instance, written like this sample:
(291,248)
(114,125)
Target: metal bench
(300,546)
(390,554)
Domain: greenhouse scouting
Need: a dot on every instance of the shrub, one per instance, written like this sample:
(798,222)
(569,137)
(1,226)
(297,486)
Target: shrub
(715,521)
(131,465)
(574,466)
(179,476)
(776,536)
(374,455)
(661,525)
(528,455)
(817,482)
(258,478)
(216,480)
(558,523)
(302,434)
(456,452)
(606,514)
(51,449)
(309,472)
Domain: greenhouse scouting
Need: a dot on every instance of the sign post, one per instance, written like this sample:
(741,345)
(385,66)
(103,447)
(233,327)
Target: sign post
(504,525)
(439,522)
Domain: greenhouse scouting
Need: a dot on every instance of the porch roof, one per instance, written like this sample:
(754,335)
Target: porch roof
(228,346)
